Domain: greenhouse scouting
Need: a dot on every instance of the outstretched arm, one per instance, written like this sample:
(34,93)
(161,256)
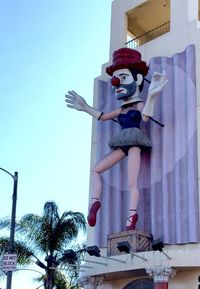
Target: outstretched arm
(75,101)
(158,82)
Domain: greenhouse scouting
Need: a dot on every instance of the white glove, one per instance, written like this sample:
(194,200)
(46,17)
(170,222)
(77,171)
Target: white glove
(77,102)
(158,82)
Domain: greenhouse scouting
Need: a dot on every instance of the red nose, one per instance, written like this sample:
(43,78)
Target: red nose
(115,81)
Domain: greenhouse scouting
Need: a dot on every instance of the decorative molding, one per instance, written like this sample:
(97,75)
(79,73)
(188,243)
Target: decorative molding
(90,282)
(161,273)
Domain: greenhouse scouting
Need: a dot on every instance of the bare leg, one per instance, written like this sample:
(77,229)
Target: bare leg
(134,158)
(106,163)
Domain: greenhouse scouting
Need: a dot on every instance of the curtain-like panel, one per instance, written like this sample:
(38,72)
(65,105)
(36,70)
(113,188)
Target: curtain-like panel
(168,206)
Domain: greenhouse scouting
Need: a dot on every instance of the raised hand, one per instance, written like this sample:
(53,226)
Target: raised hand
(75,101)
(157,83)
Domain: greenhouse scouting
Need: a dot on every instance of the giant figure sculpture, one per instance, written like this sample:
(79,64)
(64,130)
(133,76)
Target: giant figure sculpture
(127,72)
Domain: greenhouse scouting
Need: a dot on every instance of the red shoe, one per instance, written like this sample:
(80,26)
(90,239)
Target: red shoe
(133,220)
(91,218)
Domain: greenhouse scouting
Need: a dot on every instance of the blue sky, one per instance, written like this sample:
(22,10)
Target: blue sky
(47,48)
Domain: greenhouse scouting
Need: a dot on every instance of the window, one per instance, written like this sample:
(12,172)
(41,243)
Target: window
(199,10)
(148,21)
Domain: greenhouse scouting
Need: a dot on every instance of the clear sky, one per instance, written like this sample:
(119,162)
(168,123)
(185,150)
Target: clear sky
(48,47)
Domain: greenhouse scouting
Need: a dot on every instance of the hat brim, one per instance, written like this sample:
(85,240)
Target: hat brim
(141,67)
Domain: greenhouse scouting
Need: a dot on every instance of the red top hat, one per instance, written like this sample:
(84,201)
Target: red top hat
(127,58)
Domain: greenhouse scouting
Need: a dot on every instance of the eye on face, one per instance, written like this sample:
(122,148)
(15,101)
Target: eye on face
(123,83)
(124,75)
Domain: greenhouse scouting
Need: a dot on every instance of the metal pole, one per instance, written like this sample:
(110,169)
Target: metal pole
(166,255)
(12,226)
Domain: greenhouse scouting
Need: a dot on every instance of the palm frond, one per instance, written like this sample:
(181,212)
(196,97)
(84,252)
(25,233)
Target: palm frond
(24,253)
(67,230)
(5,223)
(49,235)
(50,212)
(61,282)
(28,223)
(77,217)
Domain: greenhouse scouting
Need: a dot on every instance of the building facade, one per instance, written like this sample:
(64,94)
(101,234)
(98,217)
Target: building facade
(167,34)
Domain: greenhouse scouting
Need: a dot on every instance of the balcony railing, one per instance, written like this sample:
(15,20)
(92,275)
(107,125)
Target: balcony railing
(148,36)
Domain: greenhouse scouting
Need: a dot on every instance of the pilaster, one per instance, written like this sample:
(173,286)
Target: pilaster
(89,282)
(161,275)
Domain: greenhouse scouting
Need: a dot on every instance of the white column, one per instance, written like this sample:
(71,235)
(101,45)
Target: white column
(161,275)
(192,9)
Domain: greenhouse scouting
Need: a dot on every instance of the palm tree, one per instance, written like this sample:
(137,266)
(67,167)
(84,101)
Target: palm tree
(49,236)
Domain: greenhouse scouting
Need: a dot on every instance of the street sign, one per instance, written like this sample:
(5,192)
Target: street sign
(9,262)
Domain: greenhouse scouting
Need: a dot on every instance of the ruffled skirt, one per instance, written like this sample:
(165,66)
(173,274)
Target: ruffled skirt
(130,137)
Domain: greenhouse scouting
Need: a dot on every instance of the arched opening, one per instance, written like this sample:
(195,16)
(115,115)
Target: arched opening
(144,283)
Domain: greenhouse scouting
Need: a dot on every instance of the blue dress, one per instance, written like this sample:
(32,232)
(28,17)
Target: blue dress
(131,134)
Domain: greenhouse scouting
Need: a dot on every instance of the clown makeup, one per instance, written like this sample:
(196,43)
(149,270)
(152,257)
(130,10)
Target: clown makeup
(124,84)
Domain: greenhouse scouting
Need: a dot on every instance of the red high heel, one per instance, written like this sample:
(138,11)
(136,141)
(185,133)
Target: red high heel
(92,216)
(133,220)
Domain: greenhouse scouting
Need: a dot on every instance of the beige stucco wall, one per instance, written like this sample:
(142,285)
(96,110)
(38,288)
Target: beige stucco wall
(187,279)
(183,280)
(117,284)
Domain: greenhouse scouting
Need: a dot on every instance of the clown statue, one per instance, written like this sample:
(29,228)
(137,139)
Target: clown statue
(128,72)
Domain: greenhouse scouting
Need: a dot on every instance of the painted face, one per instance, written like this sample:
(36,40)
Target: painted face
(124,83)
